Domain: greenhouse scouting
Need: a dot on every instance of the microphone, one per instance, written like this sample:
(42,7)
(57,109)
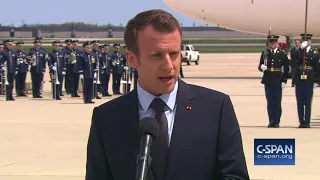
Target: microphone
(149,130)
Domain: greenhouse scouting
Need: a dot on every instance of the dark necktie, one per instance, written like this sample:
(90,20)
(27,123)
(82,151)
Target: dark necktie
(160,145)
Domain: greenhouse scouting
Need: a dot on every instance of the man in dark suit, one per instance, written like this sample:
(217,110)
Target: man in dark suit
(199,135)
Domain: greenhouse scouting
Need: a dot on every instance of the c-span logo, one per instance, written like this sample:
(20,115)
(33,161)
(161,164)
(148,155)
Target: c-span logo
(274,151)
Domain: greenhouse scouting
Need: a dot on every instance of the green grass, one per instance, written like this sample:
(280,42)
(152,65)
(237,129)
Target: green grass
(202,49)
(185,40)
(229,49)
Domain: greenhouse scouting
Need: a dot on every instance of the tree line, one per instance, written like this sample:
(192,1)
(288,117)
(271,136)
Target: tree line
(70,25)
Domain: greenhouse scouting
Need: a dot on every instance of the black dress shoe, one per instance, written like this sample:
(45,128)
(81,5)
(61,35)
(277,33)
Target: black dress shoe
(98,97)
(61,95)
(276,125)
(91,102)
(76,95)
(301,125)
(270,125)
(307,126)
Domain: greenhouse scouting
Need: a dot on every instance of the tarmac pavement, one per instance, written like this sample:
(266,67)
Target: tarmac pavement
(46,139)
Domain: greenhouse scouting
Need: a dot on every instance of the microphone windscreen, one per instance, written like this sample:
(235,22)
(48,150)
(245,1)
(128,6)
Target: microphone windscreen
(150,126)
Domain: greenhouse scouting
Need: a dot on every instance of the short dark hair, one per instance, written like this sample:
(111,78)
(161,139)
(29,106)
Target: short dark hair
(160,20)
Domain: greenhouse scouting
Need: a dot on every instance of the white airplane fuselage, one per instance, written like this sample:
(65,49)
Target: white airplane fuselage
(286,17)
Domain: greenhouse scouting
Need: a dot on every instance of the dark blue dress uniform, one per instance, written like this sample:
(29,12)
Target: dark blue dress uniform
(38,61)
(9,57)
(294,55)
(87,69)
(68,52)
(56,59)
(23,68)
(1,71)
(118,62)
(274,79)
(106,58)
(306,78)
(75,71)
(127,76)
(97,86)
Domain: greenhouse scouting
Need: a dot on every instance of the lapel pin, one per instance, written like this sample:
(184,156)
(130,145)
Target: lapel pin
(188,107)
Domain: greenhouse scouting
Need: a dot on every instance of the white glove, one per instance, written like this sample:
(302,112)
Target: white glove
(63,73)
(4,68)
(283,85)
(16,72)
(54,68)
(104,67)
(304,44)
(315,85)
(81,76)
(125,67)
(95,75)
(263,67)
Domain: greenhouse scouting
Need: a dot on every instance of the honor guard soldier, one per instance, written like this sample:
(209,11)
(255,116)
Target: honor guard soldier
(88,71)
(57,66)
(1,71)
(106,58)
(68,50)
(101,66)
(294,56)
(9,60)
(307,78)
(34,47)
(76,52)
(275,68)
(127,75)
(118,62)
(37,59)
(23,66)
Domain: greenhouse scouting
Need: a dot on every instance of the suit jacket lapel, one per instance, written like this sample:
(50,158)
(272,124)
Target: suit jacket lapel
(182,118)
(128,138)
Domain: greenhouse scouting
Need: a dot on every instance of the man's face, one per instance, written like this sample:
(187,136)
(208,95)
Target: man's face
(297,43)
(20,47)
(75,45)
(95,46)
(117,49)
(87,49)
(9,45)
(37,45)
(159,60)
(56,47)
(106,49)
(273,44)
(69,45)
